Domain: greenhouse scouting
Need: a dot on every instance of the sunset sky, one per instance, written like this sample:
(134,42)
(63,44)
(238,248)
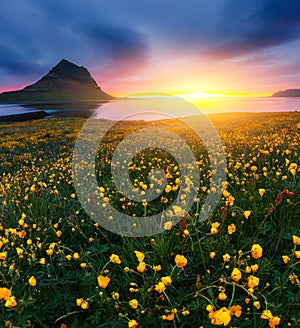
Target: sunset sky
(230,47)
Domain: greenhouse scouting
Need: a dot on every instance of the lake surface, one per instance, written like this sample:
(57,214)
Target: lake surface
(147,109)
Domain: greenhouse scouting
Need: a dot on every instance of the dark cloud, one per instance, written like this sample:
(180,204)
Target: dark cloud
(34,37)
(256,25)
(109,34)
(114,41)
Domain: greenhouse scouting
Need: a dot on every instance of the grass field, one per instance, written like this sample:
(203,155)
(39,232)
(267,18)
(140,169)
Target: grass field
(239,268)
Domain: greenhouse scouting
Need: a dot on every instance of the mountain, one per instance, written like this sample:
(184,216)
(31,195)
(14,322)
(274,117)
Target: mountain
(287,93)
(64,82)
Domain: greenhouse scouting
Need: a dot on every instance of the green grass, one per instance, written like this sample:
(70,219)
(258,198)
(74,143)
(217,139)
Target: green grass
(36,179)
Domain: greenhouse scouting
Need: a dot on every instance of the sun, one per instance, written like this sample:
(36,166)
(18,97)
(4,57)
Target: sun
(195,95)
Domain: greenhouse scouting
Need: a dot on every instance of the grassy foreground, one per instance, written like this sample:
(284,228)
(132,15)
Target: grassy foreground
(240,268)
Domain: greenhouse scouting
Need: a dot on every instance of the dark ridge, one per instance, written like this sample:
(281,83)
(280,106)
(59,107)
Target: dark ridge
(64,82)
(287,93)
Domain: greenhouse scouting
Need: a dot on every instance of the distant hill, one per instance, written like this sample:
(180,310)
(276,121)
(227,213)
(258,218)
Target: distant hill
(64,82)
(287,93)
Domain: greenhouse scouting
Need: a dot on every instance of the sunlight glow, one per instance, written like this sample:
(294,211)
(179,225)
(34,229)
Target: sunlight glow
(201,95)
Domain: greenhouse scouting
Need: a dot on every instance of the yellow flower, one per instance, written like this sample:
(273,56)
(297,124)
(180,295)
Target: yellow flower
(186,232)
(140,256)
(185,313)
(84,305)
(50,252)
(178,211)
(3,256)
(216,225)
(134,303)
(79,301)
(166,280)
(4,293)
(226,257)
(160,287)
(248,269)
(76,256)
(236,310)
(32,281)
(254,267)
(156,267)
(168,188)
(256,251)
(293,168)
(297,254)
(256,305)
(42,261)
(21,222)
(180,261)
(103,281)
(115,295)
(141,267)
(20,251)
(253,281)
(67,257)
(285,259)
(267,314)
(236,275)
(115,259)
(168,225)
(22,234)
(253,168)
(11,302)
(221,316)
(261,191)
(168,317)
(296,240)
(231,228)
(73,195)
(230,201)
(132,324)
(212,255)
(247,214)
(209,308)
(222,296)
(274,321)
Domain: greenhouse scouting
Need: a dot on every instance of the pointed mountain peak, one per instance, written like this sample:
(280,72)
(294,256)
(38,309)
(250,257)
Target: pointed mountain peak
(65,81)
(64,63)
(68,70)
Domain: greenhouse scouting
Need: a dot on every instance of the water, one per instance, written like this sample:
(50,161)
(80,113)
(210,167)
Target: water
(146,109)
(247,104)
(12,109)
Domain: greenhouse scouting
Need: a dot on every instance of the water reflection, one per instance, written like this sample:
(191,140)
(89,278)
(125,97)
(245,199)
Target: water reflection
(66,109)
(144,108)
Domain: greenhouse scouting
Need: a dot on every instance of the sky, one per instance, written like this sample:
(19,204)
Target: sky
(229,47)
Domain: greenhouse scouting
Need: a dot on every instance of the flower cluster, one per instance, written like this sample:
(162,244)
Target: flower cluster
(238,268)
